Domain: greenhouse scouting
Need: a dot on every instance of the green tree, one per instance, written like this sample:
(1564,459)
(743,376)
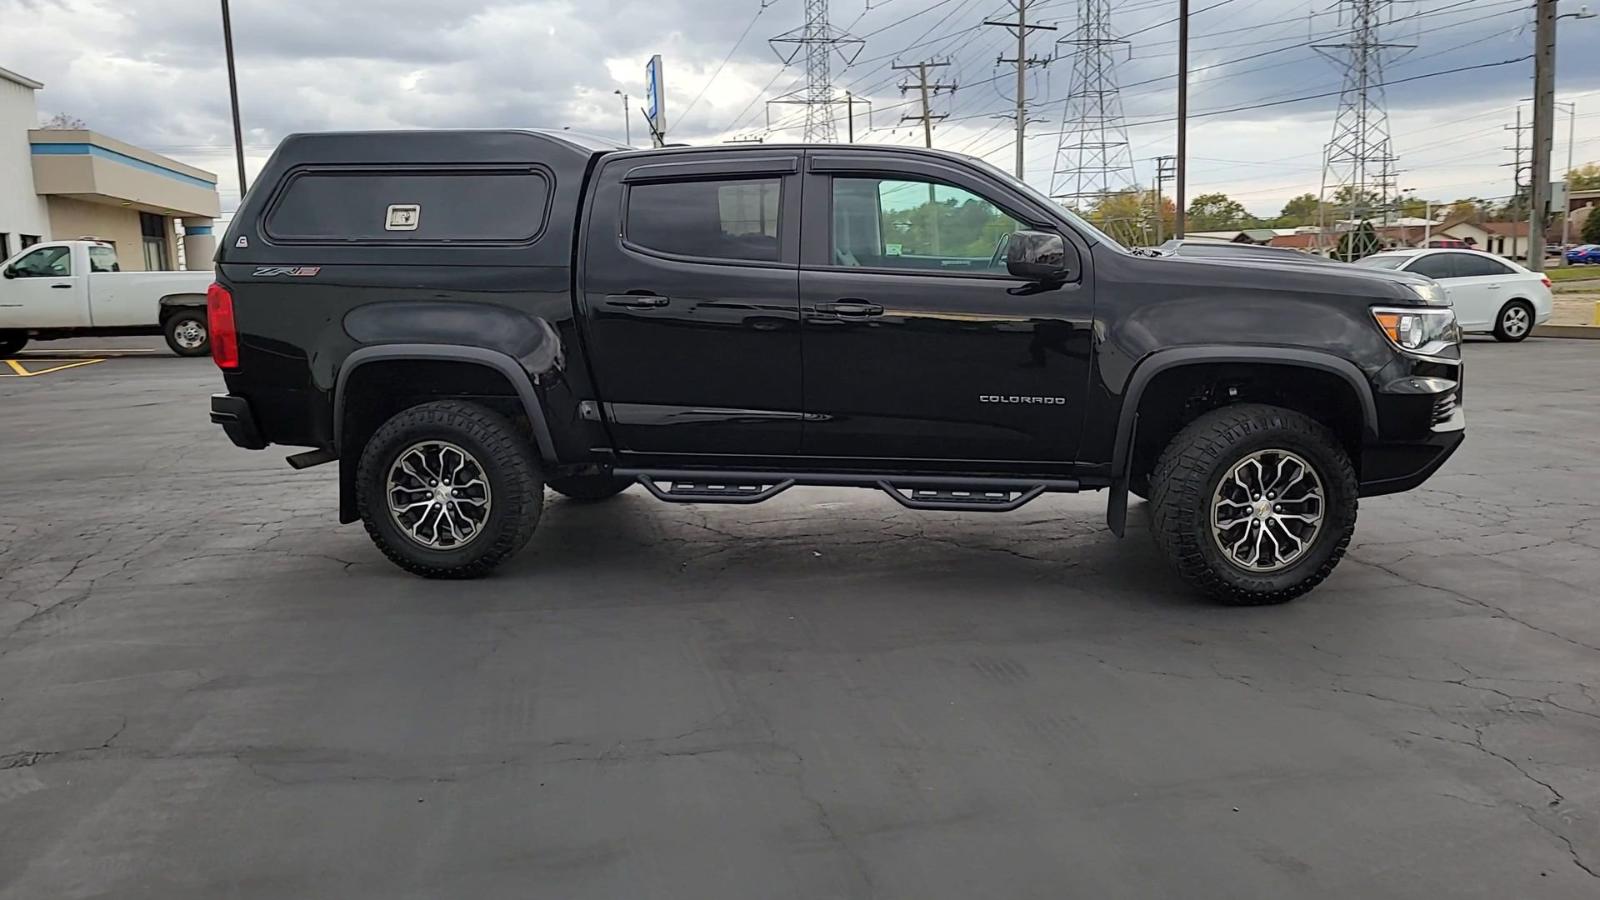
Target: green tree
(1217,212)
(1301,210)
(1585,177)
(1591,229)
(1353,204)
(1354,245)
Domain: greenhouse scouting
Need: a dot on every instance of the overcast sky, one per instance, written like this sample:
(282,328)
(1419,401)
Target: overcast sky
(151,72)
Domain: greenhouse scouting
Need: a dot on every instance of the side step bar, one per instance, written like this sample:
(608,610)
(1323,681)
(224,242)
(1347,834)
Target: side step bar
(921,492)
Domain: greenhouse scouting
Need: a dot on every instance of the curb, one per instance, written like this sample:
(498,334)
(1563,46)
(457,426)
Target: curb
(1590,332)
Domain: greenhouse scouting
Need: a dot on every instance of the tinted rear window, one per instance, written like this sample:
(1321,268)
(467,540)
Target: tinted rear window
(503,206)
(734,220)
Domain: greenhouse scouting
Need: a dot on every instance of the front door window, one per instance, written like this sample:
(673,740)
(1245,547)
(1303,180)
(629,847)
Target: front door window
(917,225)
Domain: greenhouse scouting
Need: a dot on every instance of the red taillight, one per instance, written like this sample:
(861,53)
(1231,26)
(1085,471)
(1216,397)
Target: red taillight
(219,323)
(1546,281)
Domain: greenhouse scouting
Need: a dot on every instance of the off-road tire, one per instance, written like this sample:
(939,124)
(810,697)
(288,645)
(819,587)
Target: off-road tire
(12,341)
(589,488)
(1500,332)
(1185,479)
(508,466)
(169,330)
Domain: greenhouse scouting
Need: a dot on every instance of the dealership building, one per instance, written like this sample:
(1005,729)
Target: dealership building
(64,184)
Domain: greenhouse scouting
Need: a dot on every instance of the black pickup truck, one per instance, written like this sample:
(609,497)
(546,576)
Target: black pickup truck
(464,318)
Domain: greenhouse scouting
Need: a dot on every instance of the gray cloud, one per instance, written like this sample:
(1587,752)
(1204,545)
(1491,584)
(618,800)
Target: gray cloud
(151,72)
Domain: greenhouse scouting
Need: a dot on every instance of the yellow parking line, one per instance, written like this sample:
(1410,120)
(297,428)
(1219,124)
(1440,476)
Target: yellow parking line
(24,373)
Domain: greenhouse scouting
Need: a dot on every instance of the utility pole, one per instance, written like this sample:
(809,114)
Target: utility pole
(1179,186)
(1544,114)
(927,92)
(1164,174)
(1021,28)
(233,95)
(850,117)
(1516,176)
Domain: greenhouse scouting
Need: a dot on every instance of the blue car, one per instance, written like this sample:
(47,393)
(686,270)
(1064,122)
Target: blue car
(1583,253)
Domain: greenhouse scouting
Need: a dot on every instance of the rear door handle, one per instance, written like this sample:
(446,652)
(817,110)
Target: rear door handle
(850,308)
(636,301)
(62,286)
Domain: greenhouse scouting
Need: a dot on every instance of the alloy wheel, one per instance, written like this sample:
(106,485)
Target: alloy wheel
(1515,322)
(438,495)
(1267,511)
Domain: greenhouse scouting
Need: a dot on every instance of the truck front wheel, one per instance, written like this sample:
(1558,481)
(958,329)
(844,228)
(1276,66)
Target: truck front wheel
(1253,504)
(448,489)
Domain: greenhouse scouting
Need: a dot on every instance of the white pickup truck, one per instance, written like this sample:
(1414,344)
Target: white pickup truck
(76,288)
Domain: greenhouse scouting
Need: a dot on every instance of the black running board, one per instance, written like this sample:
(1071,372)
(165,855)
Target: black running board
(920,492)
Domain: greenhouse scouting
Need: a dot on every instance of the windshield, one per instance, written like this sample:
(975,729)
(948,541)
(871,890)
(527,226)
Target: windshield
(1079,222)
(1383,262)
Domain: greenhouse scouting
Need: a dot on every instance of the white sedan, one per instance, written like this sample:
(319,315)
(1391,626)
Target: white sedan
(1490,295)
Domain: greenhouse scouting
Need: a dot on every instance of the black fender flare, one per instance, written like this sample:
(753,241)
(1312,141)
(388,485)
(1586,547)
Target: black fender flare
(1164,360)
(172,303)
(500,362)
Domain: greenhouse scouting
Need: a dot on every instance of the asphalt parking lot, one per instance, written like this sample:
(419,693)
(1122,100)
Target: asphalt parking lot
(208,688)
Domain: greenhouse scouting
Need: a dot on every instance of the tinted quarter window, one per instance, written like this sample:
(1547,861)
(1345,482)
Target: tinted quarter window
(502,206)
(1435,265)
(735,220)
(1471,265)
(915,225)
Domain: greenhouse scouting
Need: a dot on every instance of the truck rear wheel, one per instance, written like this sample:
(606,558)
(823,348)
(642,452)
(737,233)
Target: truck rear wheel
(589,488)
(12,341)
(1253,504)
(448,489)
(186,333)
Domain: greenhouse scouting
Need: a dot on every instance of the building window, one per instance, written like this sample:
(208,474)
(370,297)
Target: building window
(154,230)
(5,245)
(28,240)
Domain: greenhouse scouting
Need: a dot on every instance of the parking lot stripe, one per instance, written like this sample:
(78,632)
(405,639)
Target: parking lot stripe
(20,372)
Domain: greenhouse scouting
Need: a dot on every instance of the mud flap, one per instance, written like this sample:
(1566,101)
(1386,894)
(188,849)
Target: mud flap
(1117,503)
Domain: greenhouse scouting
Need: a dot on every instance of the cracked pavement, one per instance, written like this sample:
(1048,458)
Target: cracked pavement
(210,688)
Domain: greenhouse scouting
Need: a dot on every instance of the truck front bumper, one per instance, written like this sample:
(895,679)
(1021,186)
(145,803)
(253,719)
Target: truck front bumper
(1423,423)
(234,415)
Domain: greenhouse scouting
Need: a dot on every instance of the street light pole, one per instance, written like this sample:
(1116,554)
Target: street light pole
(233,95)
(627,127)
(1566,206)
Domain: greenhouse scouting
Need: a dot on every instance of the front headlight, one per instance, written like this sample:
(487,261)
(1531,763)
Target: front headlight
(1418,329)
(1431,293)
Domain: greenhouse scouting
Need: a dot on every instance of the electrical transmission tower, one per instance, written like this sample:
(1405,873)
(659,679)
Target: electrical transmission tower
(1358,166)
(819,40)
(1093,159)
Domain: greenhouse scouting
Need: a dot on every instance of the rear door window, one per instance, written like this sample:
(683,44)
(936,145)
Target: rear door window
(411,207)
(1472,265)
(707,219)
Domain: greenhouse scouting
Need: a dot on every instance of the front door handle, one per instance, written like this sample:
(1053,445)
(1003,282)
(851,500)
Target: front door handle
(62,286)
(850,309)
(636,301)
